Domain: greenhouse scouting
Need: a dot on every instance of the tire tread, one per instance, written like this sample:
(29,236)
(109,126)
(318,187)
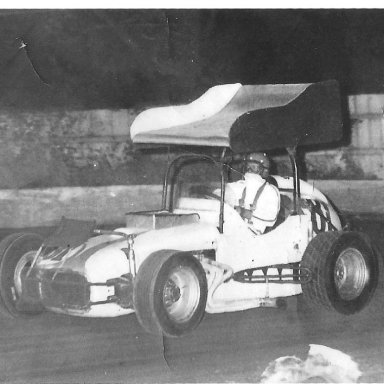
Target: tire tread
(314,260)
(5,244)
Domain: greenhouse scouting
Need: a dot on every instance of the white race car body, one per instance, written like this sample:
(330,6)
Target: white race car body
(101,259)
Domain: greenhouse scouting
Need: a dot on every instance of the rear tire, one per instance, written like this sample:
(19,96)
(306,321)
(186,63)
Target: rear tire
(170,293)
(345,272)
(16,254)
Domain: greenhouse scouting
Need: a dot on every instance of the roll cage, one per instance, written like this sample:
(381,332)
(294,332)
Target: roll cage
(223,162)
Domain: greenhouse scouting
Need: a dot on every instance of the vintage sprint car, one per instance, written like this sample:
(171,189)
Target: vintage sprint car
(196,254)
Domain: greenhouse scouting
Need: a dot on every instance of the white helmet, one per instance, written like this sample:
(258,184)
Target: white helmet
(257,162)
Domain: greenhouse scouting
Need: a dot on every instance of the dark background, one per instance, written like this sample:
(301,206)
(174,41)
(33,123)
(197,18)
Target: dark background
(63,72)
(85,59)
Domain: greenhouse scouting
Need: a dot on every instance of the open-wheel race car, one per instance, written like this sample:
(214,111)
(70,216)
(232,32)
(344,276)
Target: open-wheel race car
(196,254)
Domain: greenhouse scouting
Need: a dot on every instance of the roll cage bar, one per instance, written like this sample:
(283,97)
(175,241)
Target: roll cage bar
(183,157)
(223,164)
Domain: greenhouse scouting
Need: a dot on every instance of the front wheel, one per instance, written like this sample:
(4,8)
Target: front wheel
(170,293)
(344,270)
(17,252)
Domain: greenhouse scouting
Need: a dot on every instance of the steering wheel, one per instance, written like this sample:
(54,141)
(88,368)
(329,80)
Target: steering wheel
(203,191)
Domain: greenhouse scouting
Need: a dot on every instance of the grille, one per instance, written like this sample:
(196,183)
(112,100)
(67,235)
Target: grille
(64,289)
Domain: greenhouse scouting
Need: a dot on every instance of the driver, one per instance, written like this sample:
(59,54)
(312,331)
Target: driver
(256,200)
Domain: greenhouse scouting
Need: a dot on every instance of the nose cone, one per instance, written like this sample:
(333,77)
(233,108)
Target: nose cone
(98,260)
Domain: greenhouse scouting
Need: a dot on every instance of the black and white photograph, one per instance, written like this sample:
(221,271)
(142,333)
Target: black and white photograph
(191,195)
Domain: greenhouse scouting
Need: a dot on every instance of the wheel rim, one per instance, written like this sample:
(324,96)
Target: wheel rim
(351,274)
(181,294)
(21,269)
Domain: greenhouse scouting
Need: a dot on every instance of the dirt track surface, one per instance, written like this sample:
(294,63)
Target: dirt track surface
(227,347)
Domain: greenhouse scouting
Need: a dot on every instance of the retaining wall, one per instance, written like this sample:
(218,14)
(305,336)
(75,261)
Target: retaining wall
(363,156)
(81,148)
(108,205)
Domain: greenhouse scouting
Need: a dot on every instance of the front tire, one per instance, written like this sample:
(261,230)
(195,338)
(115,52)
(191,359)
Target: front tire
(170,293)
(344,270)
(16,254)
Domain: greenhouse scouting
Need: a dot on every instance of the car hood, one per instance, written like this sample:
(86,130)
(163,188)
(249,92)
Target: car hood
(102,258)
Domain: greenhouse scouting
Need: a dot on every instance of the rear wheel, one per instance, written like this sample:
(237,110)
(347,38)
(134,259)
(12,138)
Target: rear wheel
(17,252)
(170,293)
(344,270)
